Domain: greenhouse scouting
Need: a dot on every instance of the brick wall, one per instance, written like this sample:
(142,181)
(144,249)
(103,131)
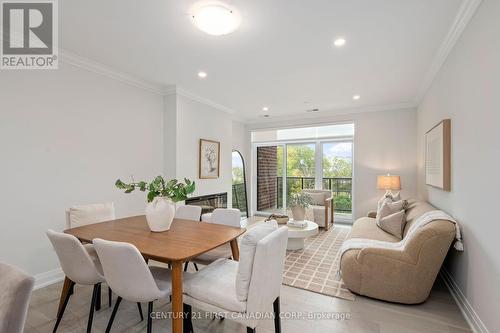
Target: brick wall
(266,177)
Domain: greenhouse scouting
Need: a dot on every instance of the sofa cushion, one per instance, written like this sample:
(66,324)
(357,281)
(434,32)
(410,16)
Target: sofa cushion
(248,247)
(393,223)
(366,227)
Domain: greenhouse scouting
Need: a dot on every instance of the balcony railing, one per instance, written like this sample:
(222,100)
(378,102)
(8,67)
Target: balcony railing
(341,188)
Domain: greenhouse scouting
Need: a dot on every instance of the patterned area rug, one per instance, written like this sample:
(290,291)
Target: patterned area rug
(314,268)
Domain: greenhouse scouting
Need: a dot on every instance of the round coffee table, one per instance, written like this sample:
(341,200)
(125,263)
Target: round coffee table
(297,236)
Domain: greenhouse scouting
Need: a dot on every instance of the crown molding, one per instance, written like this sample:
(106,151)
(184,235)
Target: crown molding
(464,15)
(98,68)
(185,93)
(332,113)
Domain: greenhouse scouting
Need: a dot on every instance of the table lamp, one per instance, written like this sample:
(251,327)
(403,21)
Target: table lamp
(388,183)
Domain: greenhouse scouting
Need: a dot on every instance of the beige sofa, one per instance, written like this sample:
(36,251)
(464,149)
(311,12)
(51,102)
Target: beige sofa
(321,210)
(393,275)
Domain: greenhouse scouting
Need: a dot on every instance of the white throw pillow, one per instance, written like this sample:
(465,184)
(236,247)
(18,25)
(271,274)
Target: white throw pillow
(393,223)
(248,246)
(317,199)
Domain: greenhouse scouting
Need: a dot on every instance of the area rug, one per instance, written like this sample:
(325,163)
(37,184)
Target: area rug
(314,268)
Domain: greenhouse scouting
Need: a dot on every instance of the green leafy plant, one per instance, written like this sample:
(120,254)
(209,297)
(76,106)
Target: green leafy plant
(159,187)
(299,199)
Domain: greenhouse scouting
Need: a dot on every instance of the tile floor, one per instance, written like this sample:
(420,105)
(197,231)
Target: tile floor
(439,314)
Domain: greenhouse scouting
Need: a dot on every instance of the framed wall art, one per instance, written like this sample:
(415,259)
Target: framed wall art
(209,164)
(438,156)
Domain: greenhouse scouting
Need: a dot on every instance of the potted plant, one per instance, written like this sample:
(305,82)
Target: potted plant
(298,202)
(161,198)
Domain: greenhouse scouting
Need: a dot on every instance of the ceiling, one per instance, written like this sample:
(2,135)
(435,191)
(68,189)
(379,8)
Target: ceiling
(282,56)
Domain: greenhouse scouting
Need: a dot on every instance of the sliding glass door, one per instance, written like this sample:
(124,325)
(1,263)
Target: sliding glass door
(337,176)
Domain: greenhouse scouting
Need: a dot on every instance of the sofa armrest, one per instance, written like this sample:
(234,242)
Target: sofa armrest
(372,214)
(384,255)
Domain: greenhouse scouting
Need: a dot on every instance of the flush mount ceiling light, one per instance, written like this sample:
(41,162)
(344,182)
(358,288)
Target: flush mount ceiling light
(339,42)
(216,19)
(265,108)
(356,97)
(202,75)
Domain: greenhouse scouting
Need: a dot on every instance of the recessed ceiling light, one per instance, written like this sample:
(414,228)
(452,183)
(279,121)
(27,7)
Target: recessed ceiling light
(339,42)
(265,108)
(356,97)
(202,75)
(216,19)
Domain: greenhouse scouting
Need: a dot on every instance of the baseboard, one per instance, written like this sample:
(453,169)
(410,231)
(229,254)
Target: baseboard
(466,308)
(47,278)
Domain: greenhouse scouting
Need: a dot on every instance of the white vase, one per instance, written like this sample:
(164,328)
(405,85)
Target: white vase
(160,214)
(298,213)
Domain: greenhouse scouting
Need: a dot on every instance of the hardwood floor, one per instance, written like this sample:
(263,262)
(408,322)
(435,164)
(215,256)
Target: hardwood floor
(439,314)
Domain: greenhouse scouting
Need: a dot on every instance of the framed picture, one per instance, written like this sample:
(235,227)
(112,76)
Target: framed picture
(438,156)
(209,159)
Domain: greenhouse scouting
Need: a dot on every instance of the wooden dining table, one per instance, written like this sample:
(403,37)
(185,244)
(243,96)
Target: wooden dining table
(183,241)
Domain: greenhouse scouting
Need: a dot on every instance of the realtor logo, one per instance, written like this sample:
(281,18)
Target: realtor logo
(29,35)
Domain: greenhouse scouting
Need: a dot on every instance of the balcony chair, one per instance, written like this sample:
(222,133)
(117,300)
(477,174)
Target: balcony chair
(321,210)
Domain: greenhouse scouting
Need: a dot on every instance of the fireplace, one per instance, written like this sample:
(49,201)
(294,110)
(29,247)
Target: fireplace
(209,202)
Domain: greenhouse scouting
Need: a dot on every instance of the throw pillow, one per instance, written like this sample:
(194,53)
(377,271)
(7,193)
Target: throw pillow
(248,246)
(393,223)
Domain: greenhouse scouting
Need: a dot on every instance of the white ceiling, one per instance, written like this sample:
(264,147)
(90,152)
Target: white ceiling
(281,56)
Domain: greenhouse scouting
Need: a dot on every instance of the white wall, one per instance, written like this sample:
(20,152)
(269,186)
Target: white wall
(65,137)
(197,121)
(384,142)
(466,90)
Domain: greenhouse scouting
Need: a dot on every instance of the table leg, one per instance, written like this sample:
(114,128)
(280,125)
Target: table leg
(65,290)
(235,250)
(177,306)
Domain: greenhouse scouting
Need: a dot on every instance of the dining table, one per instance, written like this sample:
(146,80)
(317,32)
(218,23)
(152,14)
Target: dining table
(184,240)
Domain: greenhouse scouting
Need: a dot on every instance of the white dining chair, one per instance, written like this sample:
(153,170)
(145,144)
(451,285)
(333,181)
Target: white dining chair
(130,277)
(242,290)
(80,264)
(14,298)
(78,216)
(226,216)
(188,212)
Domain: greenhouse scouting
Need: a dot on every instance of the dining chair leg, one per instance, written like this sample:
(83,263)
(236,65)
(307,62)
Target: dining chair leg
(277,318)
(109,296)
(66,300)
(150,320)
(195,266)
(98,300)
(113,314)
(187,319)
(186,266)
(92,307)
(140,310)
(250,330)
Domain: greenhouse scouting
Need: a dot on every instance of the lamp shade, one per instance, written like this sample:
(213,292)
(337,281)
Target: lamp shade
(388,182)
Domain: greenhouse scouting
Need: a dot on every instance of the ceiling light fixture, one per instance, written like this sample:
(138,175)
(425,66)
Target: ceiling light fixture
(339,42)
(216,19)
(356,97)
(265,108)
(202,75)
